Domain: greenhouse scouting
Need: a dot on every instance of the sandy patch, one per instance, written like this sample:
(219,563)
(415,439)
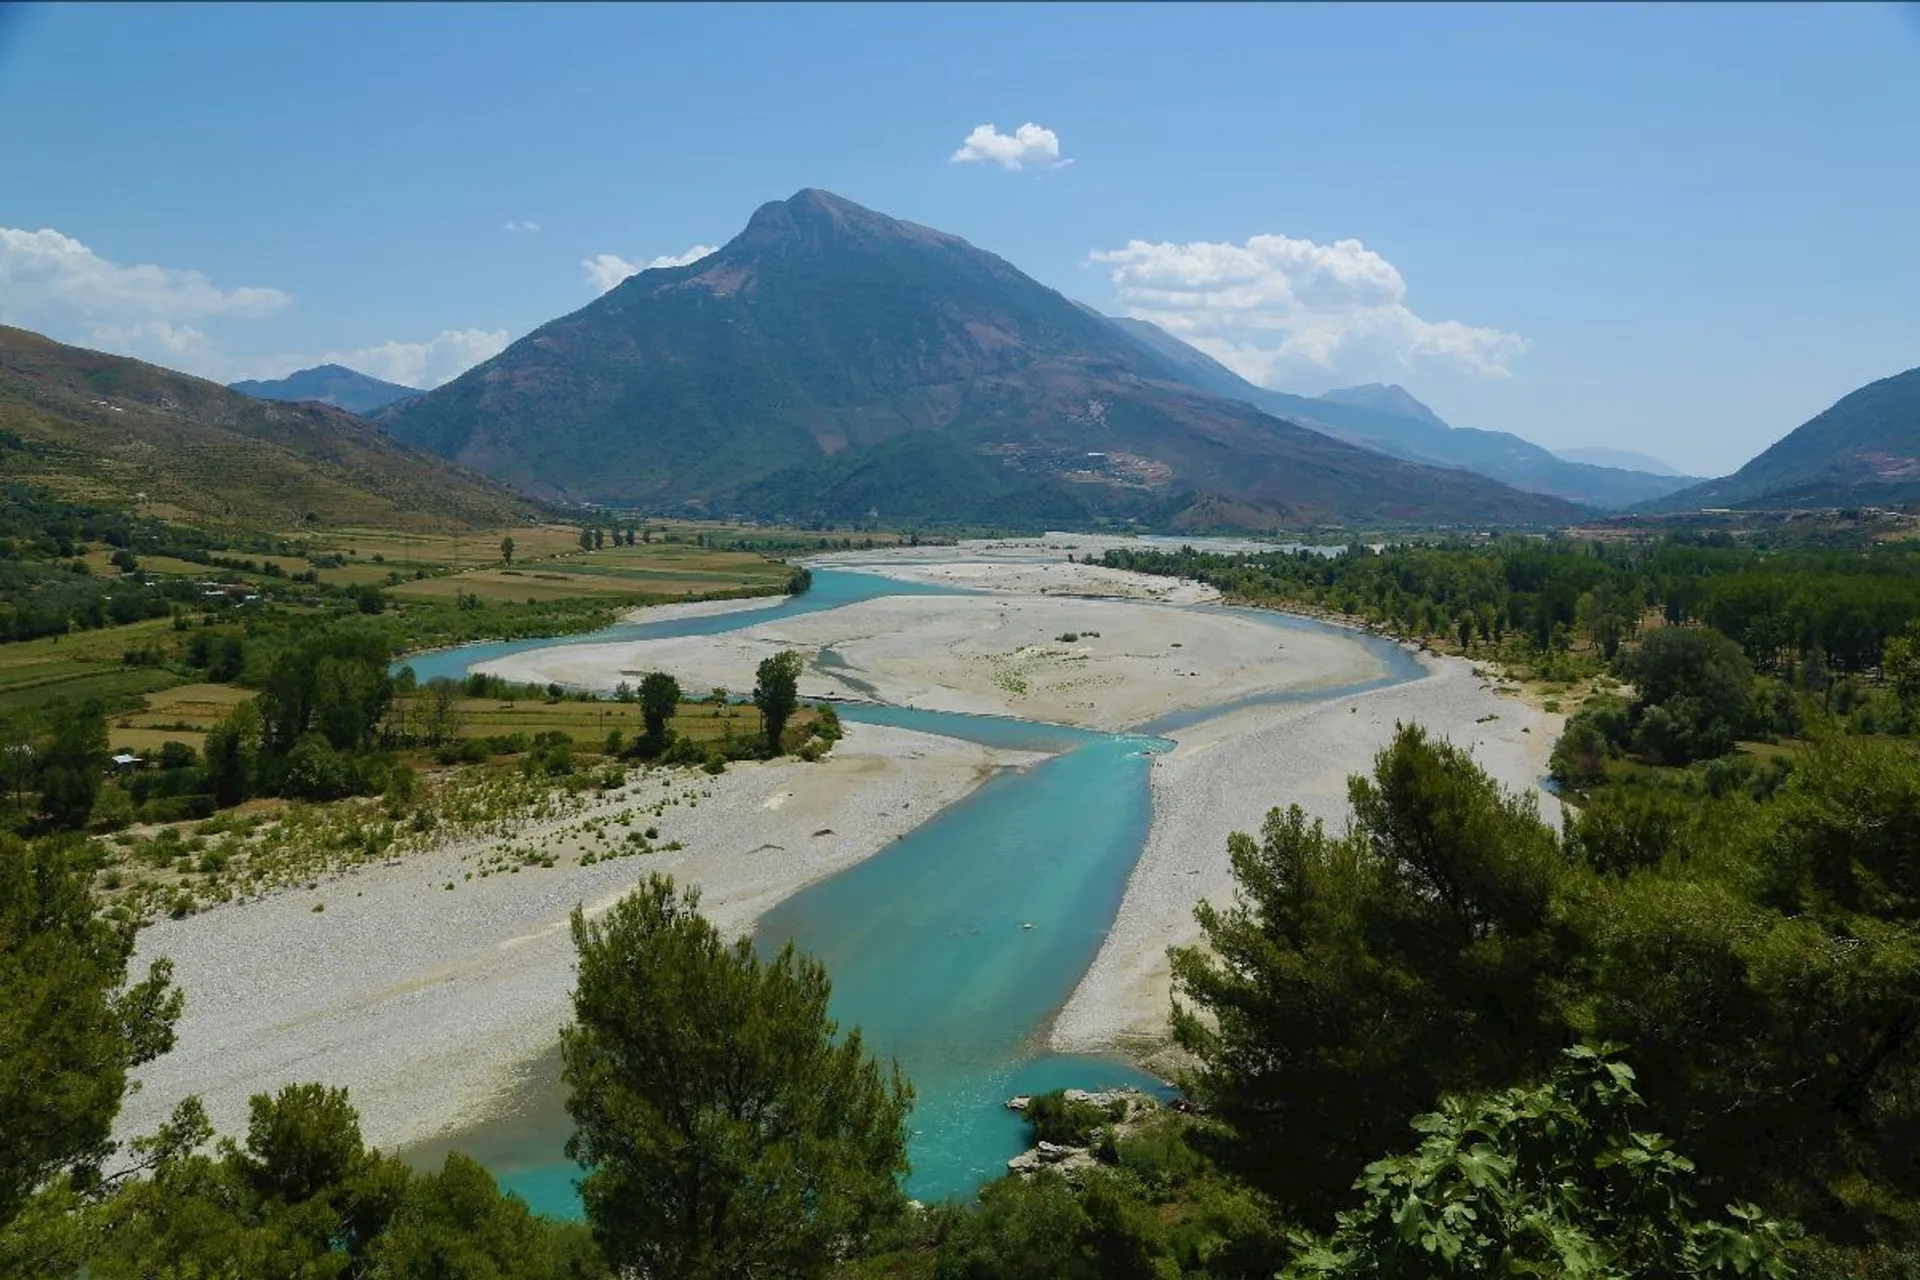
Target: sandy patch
(1001,654)
(1225,775)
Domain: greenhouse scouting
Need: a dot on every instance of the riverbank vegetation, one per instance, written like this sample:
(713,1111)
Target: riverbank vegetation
(1448,1040)
(222,711)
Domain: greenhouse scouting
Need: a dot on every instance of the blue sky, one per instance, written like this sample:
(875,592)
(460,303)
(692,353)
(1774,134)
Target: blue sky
(1676,229)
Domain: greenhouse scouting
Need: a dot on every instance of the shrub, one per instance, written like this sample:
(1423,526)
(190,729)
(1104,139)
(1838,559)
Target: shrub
(1054,1117)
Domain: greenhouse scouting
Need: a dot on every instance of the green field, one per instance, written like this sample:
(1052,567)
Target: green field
(79,666)
(589,723)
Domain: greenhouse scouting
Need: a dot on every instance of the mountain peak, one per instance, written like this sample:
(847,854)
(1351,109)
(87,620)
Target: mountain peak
(1386,397)
(333,384)
(814,219)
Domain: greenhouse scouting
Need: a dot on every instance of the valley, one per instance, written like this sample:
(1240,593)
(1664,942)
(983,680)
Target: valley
(490,951)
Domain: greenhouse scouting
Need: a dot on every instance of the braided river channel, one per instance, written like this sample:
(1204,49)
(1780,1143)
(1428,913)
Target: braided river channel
(953,947)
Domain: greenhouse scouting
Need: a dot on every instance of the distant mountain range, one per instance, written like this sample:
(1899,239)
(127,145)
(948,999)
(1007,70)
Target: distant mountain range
(1388,420)
(103,428)
(1623,459)
(1864,451)
(834,363)
(332,384)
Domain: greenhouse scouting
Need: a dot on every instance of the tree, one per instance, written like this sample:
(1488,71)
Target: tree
(70,1026)
(456,1225)
(586,539)
(72,764)
(727,1129)
(443,719)
(599,538)
(1695,694)
(1549,1180)
(776,691)
(659,699)
(1900,662)
(506,550)
(1358,978)
(335,684)
(232,749)
(302,1195)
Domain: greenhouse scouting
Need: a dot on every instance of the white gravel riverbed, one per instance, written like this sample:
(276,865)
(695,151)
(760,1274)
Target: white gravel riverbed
(427,1002)
(1224,776)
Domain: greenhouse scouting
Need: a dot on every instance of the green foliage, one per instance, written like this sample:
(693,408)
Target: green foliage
(726,1127)
(1900,660)
(1755,950)
(70,1026)
(1695,694)
(659,699)
(776,691)
(1846,835)
(1054,1117)
(334,683)
(303,1196)
(1552,1180)
(1358,978)
(456,1225)
(232,749)
(1523,597)
(1154,1209)
(71,764)
(1625,829)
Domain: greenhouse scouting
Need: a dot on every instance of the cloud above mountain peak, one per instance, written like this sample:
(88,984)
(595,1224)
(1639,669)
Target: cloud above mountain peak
(1280,310)
(1030,145)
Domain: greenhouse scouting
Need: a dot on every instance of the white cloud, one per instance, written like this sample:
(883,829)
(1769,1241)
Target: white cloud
(1279,311)
(53,283)
(419,364)
(1030,144)
(178,340)
(511,225)
(56,284)
(46,275)
(605,270)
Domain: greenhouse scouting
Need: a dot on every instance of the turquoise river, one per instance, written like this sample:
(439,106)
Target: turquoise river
(953,947)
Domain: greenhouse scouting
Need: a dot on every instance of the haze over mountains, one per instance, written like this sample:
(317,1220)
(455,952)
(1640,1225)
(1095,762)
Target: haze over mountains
(1389,420)
(834,363)
(1624,459)
(103,428)
(332,384)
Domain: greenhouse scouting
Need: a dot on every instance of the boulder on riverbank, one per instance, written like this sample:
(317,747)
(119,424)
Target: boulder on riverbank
(1095,1117)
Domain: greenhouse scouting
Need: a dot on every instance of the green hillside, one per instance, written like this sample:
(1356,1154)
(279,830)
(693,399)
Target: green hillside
(1864,451)
(105,429)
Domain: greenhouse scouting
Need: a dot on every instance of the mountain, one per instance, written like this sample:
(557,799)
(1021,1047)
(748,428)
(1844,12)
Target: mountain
(333,384)
(1386,398)
(1623,459)
(1864,451)
(834,363)
(108,429)
(1389,420)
